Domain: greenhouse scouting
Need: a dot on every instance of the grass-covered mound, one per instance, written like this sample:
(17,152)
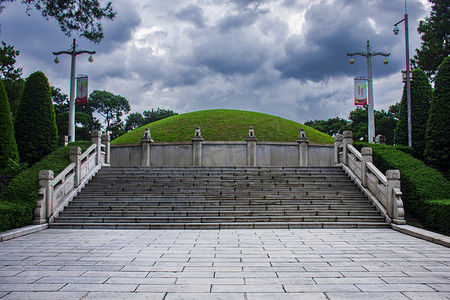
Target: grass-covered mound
(224,125)
(18,201)
(426,193)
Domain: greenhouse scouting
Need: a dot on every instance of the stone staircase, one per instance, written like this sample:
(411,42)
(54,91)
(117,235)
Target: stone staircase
(220,198)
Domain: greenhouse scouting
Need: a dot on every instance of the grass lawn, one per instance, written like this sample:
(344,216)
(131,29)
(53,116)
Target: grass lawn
(224,125)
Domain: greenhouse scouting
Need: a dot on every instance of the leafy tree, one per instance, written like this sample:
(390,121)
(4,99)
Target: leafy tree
(437,150)
(8,146)
(14,89)
(158,114)
(421,93)
(82,16)
(35,126)
(331,126)
(7,61)
(134,120)
(110,106)
(435,34)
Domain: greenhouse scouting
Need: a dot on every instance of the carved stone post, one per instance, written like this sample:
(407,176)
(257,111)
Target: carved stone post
(145,148)
(105,141)
(251,147)
(338,141)
(393,182)
(45,180)
(75,153)
(302,148)
(197,142)
(348,139)
(96,139)
(380,139)
(366,153)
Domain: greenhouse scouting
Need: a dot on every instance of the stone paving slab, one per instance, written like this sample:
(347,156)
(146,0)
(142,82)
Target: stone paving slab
(223,264)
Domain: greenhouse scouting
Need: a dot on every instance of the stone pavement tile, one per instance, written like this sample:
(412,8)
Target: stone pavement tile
(225,280)
(320,288)
(177,288)
(245,274)
(395,287)
(138,280)
(23,287)
(115,274)
(44,295)
(3,294)
(286,296)
(268,281)
(212,269)
(73,279)
(152,268)
(349,280)
(22,279)
(440,287)
(206,296)
(122,296)
(53,273)
(87,287)
(243,288)
(5,273)
(445,280)
(373,274)
(181,274)
(360,296)
(309,274)
(427,295)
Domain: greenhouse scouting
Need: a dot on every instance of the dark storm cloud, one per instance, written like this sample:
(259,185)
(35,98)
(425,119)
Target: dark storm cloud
(192,14)
(237,21)
(331,31)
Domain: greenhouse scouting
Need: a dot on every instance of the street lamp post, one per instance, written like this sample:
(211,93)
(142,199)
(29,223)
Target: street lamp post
(408,74)
(368,53)
(73,52)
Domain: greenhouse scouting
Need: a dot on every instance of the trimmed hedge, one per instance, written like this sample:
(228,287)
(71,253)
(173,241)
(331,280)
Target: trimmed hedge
(18,201)
(426,193)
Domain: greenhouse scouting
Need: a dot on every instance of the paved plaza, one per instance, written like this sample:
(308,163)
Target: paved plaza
(223,264)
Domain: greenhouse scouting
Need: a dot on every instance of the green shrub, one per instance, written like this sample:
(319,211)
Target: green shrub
(35,125)
(8,146)
(426,193)
(19,199)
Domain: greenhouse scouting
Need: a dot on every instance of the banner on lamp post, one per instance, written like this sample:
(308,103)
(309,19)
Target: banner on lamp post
(360,91)
(82,89)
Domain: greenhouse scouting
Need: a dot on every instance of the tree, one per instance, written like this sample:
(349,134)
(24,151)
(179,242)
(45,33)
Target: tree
(110,106)
(158,114)
(421,93)
(8,146)
(435,31)
(331,126)
(437,151)
(83,16)
(14,89)
(35,126)
(134,120)
(7,61)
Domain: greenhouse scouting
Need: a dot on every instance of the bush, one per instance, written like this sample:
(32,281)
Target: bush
(426,193)
(19,199)
(8,146)
(36,131)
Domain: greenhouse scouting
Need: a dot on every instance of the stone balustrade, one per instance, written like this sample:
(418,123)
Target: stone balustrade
(383,190)
(56,192)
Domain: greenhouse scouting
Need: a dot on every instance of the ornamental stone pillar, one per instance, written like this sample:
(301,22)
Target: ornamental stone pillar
(303,143)
(251,147)
(146,142)
(197,142)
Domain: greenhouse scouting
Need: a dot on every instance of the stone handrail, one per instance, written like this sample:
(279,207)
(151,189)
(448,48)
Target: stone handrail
(383,190)
(56,192)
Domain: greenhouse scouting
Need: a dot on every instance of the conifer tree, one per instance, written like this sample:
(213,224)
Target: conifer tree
(437,150)
(8,146)
(421,93)
(35,127)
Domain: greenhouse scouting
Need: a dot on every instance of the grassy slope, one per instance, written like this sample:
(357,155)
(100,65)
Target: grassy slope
(224,125)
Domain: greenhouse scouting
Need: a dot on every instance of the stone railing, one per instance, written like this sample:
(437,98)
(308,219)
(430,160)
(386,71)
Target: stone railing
(56,192)
(198,152)
(384,191)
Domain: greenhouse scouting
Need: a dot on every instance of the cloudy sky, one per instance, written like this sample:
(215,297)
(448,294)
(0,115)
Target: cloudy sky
(282,57)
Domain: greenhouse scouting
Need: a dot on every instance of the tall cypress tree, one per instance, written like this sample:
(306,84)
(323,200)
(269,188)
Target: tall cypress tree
(437,150)
(36,131)
(8,146)
(421,94)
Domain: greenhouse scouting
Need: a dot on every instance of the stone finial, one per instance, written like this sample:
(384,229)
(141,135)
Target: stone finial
(106,137)
(348,134)
(147,136)
(46,175)
(380,139)
(75,151)
(366,151)
(198,135)
(393,175)
(302,136)
(251,131)
(338,137)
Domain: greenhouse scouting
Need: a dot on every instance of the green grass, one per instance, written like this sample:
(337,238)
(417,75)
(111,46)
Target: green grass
(224,125)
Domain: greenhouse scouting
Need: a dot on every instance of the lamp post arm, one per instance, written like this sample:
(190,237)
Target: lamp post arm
(399,22)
